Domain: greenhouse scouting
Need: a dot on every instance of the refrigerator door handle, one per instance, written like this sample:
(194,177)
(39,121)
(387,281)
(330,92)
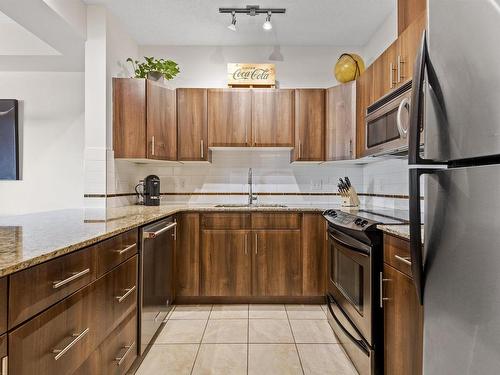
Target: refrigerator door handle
(423,64)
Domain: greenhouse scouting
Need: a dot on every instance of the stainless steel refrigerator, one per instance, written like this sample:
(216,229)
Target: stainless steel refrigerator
(456,103)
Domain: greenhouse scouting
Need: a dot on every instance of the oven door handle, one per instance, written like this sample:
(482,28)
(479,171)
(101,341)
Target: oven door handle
(357,247)
(358,342)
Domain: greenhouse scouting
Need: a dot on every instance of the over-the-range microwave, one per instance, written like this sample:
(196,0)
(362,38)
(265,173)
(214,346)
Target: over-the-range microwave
(387,121)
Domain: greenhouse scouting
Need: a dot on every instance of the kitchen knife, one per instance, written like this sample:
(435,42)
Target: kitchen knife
(347,182)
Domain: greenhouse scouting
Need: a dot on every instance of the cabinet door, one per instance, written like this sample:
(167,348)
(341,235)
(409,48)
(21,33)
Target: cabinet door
(403,325)
(408,45)
(3,305)
(408,11)
(229,117)
(129,117)
(309,125)
(272,118)
(363,98)
(340,141)
(192,126)
(314,245)
(225,263)
(187,259)
(277,263)
(384,73)
(161,122)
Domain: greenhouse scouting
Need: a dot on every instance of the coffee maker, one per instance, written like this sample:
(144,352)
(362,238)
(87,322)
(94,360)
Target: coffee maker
(150,190)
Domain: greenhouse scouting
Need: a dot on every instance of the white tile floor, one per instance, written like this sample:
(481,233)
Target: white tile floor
(247,339)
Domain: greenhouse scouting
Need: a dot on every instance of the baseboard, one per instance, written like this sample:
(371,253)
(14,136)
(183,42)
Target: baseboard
(187,300)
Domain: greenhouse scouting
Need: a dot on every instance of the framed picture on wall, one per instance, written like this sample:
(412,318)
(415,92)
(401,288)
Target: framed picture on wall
(9,139)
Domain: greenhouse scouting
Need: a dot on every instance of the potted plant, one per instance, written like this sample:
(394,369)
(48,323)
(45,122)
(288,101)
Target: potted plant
(154,69)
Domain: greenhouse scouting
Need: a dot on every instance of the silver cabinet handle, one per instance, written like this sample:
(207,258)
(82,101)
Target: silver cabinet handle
(391,75)
(74,276)
(128,292)
(76,337)
(256,244)
(129,247)
(300,149)
(202,148)
(405,260)
(5,366)
(160,231)
(405,103)
(128,348)
(400,74)
(153,145)
(246,243)
(381,286)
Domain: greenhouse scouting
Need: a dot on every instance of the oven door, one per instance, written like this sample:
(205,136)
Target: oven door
(349,279)
(387,125)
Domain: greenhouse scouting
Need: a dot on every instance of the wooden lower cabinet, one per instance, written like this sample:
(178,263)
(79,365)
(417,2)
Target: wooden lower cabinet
(314,246)
(116,353)
(225,263)
(403,324)
(3,354)
(187,255)
(277,265)
(3,305)
(61,339)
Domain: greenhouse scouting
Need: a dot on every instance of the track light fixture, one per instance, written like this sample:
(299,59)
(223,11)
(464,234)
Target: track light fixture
(268,25)
(252,10)
(232,26)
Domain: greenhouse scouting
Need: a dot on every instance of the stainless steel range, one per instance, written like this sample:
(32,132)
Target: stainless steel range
(354,268)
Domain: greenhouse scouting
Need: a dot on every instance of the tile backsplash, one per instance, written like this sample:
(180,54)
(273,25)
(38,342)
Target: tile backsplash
(225,179)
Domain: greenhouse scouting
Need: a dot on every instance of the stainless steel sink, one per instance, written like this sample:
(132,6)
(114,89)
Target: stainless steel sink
(236,205)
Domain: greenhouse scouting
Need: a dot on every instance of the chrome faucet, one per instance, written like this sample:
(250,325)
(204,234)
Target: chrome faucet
(251,197)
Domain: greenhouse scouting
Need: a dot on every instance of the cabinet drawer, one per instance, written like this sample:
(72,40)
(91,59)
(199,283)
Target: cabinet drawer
(261,220)
(226,221)
(120,294)
(3,305)
(114,251)
(116,353)
(397,253)
(58,340)
(36,288)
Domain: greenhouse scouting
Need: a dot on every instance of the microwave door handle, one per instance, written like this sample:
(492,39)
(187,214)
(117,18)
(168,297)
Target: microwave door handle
(359,343)
(423,64)
(403,132)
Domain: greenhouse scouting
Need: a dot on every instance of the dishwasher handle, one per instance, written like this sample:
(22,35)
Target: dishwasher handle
(150,235)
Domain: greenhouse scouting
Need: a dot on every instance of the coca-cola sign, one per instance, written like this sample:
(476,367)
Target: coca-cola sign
(251,74)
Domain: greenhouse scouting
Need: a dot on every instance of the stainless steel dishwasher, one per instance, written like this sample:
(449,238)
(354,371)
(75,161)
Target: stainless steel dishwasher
(156,276)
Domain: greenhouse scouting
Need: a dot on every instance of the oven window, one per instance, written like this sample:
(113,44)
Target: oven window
(383,129)
(348,277)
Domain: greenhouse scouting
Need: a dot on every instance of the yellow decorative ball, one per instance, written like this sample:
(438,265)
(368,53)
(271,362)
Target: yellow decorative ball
(349,66)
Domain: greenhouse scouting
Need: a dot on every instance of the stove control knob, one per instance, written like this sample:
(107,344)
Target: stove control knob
(358,221)
(363,223)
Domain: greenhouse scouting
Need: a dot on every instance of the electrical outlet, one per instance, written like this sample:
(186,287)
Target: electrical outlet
(316,185)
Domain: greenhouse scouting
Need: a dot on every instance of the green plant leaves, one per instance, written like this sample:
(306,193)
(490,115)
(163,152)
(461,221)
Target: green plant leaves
(167,68)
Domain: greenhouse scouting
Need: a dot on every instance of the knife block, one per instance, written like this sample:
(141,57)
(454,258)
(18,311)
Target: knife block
(350,198)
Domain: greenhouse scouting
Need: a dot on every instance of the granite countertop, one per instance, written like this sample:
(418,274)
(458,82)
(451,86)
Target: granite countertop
(402,231)
(27,240)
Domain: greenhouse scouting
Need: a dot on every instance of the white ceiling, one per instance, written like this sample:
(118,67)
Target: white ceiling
(197,22)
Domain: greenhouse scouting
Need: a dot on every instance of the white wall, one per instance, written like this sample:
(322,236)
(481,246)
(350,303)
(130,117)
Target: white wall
(203,66)
(52,138)
(382,38)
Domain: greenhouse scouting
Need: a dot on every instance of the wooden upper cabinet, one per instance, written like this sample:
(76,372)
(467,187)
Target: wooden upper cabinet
(277,264)
(192,124)
(408,12)
(272,117)
(340,139)
(309,125)
(161,122)
(229,117)
(225,263)
(385,73)
(129,117)
(364,95)
(408,46)
(403,324)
